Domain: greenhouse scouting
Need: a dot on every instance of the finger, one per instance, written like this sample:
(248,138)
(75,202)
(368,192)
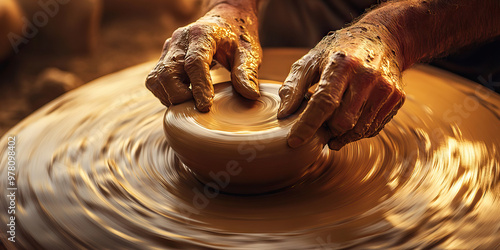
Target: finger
(323,102)
(388,110)
(336,144)
(378,96)
(168,78)
(173,77)
(164,51)
(153,84)
(165,48)
(353,103)
(244,72)
(152,81)
(197,65)
(387,119)
(303,73)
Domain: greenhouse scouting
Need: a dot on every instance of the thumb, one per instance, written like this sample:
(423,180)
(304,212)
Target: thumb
(244,74)
(303,74)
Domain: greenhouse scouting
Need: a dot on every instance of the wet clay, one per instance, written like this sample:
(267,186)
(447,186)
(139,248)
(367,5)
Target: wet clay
(240,144)
(95,171)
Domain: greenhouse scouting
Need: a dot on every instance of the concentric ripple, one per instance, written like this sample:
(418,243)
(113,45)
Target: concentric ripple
(94,171)
(233,115)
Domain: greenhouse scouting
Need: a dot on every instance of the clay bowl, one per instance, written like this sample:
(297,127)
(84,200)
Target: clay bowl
(239,146)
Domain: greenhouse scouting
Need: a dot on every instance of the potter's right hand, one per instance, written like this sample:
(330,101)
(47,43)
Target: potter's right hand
(227,34)
(359,90)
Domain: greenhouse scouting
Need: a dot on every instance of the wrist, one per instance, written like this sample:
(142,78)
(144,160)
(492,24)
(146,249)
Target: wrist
(391,21)
(373,41)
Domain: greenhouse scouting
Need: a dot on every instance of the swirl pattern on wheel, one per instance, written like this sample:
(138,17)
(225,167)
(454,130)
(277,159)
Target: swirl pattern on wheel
(95,171)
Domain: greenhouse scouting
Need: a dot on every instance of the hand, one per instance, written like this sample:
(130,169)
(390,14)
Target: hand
(359,88)
(226,34)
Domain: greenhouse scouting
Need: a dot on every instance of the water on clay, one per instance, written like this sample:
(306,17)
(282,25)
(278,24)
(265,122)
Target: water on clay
(94,171)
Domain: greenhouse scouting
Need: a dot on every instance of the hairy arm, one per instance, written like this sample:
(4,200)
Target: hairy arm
(425,29)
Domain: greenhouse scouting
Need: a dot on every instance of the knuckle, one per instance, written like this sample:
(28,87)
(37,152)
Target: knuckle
(166,44)
(341,123)
(325,100)
(152,76)
(304,62)
(338,56)
(197,29)
(400,94)
(401,97)
(193,60)
(345,124)
(164,77)
(150,81)
(342,66)
(286,90)
(298,66)
(305,68)
(384,87)
(179,33)
(176,56)
(342,58)
(164,73)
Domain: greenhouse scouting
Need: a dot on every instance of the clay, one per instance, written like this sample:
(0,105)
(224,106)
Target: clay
(94,171)
(242,135)
(226,34)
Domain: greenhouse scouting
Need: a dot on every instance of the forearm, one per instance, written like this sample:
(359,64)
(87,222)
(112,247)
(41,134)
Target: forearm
(245,5)
(424,29)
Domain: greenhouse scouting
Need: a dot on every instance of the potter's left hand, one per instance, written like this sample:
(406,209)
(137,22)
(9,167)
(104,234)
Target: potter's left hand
(359,88)
(228,34)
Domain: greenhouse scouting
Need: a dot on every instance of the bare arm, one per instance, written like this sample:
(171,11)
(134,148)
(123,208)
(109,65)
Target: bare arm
(425,29)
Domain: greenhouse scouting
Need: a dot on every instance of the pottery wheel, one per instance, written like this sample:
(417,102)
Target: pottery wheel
(240,146)
(94,170)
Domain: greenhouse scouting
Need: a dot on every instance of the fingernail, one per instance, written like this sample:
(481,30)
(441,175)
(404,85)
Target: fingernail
(281,111)
(256,94)
(252,78)
(295,141)
(203,106)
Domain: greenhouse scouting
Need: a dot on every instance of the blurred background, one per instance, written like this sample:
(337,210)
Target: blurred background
(48,47)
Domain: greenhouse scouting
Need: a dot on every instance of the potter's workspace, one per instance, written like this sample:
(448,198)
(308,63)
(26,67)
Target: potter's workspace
(328,124)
